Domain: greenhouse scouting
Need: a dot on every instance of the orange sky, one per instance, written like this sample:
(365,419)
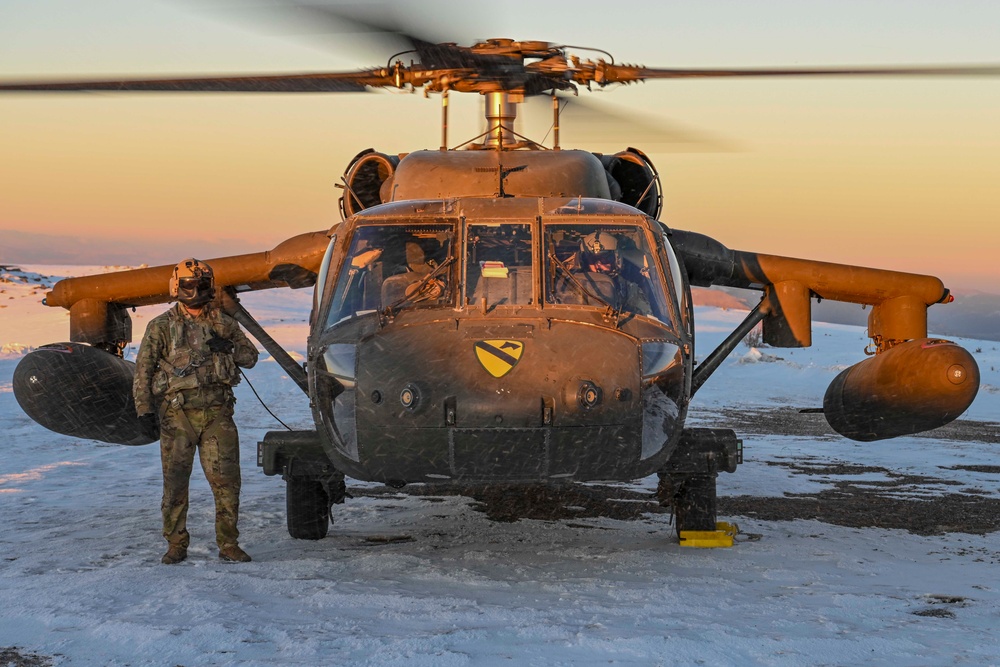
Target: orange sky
(899,174)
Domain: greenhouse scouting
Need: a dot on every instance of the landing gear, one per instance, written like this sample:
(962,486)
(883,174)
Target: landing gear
(688,484)
(312,485)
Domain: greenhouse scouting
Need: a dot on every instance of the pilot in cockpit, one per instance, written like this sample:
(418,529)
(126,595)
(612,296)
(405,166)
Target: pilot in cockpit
(420,262)
(599,266)
(599,254)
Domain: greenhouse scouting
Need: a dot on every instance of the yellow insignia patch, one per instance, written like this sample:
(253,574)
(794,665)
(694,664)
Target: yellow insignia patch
(498,356)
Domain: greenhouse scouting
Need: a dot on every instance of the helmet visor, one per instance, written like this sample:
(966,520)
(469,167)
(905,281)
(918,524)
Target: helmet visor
(194,284)
(599,262)
(195,291)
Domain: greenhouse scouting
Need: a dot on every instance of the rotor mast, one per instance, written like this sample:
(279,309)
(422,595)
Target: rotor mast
(501,112)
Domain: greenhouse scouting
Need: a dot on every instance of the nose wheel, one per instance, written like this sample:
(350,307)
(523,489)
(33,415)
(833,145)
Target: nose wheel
(692,499)
(307,507)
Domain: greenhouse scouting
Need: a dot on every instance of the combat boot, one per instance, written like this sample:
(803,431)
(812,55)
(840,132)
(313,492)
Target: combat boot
(233,554)
(175,554)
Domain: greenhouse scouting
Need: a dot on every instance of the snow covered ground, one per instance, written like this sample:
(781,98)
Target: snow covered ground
(431,580)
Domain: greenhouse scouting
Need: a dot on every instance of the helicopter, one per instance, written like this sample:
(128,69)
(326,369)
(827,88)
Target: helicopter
(506,312)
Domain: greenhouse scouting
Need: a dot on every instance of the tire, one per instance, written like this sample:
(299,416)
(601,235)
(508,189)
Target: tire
(307,508)
(696,507)
(692,498)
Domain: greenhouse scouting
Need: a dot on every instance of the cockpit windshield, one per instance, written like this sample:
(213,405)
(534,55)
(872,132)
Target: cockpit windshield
(603,265)
(498,259)
(392,267)
(607,265)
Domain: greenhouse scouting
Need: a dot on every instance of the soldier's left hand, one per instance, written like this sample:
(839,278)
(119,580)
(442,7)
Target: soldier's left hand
(220,345)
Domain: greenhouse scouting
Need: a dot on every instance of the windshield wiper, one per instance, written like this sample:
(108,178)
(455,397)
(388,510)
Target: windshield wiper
(417,291)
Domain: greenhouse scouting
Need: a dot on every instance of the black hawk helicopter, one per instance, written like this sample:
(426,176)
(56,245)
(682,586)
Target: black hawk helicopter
(506,312)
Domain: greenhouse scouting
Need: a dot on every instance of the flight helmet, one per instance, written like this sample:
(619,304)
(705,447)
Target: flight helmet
(192,283)
(599,253)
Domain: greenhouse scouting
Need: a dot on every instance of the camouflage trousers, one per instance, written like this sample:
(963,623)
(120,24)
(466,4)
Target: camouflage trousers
(211,431)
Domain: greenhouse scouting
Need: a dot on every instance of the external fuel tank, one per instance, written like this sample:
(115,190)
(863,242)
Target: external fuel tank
(914,386)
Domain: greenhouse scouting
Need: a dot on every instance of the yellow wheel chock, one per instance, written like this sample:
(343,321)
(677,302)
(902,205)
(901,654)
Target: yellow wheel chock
(722,536)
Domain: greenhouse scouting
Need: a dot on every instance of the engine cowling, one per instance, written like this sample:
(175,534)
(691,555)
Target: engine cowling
(366,175)
(915,386)
(634,180)
(82,391)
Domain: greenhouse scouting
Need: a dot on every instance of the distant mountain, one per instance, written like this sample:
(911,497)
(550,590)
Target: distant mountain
(972,315)
(975,315)
(17,247)
(718,298)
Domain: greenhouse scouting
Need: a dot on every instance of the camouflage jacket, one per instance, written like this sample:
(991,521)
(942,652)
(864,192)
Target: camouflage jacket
(174,356)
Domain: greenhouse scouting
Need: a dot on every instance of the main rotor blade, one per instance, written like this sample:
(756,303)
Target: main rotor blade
(390,26)
(593,123)
(629,73)
(332,82)
(430,53)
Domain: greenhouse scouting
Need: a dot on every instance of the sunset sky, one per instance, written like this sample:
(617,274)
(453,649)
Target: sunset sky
(897,173)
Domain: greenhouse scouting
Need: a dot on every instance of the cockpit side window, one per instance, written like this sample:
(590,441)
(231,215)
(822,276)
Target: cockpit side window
(682,291)
(604,265)
(394,267)
(320,286)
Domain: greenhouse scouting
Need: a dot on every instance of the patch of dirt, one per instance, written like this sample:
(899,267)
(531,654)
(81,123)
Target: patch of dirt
(857,504)
(935,612)
(941,612)
(946,599)
(13,656)
(993,470)
(854,507)
(966,430)
(545,503)
(773,421)
(899,501)
(808,468)
(790,421)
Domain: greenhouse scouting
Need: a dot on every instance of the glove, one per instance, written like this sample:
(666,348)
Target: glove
(149,423)
(220,345)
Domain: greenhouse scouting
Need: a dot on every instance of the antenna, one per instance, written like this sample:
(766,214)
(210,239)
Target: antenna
(555,121)
(444,119)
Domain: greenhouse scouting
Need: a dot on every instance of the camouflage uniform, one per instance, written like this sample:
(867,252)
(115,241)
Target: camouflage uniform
(177,375)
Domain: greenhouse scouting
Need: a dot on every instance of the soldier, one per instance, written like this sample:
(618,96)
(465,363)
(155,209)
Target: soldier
(185,371)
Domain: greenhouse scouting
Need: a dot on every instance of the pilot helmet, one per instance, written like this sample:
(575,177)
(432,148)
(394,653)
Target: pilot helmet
(599,253)
(192,283)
